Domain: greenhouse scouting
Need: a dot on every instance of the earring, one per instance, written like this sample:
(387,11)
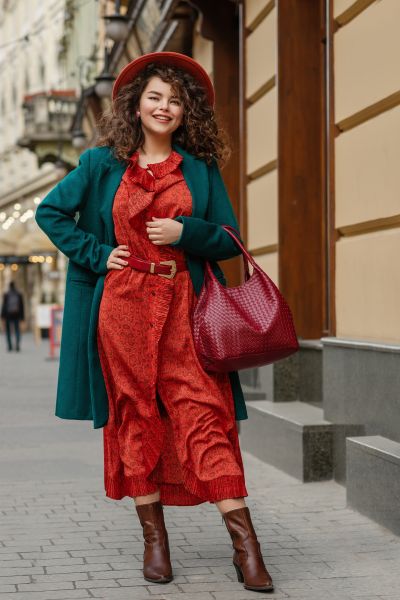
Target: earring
(137,114)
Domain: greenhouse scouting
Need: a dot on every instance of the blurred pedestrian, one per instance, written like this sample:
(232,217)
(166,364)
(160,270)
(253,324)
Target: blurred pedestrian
(12,312)
(153,186)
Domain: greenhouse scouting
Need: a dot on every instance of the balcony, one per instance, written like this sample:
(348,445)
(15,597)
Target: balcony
(48,118)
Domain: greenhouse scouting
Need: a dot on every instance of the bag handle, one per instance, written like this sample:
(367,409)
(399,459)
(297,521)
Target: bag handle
(245,254)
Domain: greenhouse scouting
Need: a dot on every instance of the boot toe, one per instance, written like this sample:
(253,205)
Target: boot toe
(258,583)
(265,588)
(254,581)
(154,578)
(158,574)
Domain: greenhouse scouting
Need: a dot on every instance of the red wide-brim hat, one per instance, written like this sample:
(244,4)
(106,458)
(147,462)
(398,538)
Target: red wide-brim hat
(176,59)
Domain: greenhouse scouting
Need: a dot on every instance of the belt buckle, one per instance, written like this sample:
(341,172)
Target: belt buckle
(173,268)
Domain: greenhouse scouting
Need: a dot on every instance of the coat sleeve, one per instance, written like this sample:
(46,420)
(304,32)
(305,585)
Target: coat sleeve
(206,237)
(55,215)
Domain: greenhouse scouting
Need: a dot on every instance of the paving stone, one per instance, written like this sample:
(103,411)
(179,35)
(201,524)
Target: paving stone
(6,589)
(51,595)
(43,587)
(123,594)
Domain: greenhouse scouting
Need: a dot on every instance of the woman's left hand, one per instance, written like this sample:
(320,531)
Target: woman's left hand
(163,231)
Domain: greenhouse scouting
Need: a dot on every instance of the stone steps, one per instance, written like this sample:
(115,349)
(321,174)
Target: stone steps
(373,479)
(292,436)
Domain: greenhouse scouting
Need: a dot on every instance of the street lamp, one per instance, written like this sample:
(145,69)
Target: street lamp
(105,81)
(78,139)
(116,28)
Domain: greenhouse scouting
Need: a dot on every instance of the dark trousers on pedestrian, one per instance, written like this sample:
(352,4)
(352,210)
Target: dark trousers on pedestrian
(15,324)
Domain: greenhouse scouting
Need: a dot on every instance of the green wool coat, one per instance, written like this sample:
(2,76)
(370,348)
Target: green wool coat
(88,241)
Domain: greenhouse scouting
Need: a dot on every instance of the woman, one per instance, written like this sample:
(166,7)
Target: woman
(170,434)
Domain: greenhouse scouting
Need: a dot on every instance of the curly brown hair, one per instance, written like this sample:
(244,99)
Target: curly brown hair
(199,133)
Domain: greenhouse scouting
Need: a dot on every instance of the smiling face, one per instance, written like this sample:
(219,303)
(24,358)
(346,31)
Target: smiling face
(161,110)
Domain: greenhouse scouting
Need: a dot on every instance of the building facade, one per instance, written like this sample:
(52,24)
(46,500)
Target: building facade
(40,84)
(322,214)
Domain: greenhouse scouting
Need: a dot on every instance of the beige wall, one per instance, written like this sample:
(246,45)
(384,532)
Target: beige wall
(253,9)
(367,170)
(339,6)
(203,48)
(367,175)
(262,136)
(368,286)
(262,211)
(367,53)
(261,43)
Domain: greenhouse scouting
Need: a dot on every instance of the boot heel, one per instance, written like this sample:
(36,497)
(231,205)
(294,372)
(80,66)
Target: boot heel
(238,573)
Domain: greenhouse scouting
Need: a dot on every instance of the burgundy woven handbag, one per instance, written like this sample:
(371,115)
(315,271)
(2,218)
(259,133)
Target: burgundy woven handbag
(244,326)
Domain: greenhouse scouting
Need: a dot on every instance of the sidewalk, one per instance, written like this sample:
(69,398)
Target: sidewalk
(61,538)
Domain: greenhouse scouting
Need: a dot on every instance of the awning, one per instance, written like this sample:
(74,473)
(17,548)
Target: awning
(18,240)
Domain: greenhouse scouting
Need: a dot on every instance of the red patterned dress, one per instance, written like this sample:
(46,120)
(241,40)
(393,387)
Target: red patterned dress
(171,424)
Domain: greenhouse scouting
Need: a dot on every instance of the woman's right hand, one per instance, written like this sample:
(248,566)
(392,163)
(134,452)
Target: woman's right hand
(114,262)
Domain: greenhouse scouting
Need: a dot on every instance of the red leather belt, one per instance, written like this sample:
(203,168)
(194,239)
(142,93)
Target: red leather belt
(165,268)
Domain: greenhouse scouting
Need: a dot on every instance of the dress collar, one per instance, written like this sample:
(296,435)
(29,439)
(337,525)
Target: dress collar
(159,169)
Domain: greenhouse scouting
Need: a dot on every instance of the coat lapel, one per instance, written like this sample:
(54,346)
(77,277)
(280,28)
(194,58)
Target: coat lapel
(109,179)
(196,177)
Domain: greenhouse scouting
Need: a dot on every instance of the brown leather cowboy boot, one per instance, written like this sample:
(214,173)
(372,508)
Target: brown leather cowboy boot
(156,560)
(247,557)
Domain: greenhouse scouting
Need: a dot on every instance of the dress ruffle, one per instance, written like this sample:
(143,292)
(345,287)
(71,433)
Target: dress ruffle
(144,177)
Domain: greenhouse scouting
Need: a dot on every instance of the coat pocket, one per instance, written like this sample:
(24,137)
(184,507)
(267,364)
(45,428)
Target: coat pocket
(77,274)
(82,283)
